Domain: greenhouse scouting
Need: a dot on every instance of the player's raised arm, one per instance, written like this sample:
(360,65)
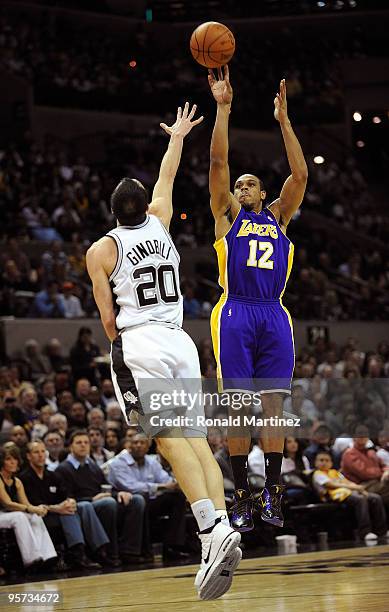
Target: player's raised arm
(161,204)
(222,201)
(100,261)
(292,192)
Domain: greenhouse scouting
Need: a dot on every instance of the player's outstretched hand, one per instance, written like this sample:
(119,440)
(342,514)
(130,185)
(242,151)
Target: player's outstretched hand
(183,123)
(221,86)
(280,104)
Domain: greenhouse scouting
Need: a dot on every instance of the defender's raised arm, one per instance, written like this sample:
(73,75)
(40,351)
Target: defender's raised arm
(161,205)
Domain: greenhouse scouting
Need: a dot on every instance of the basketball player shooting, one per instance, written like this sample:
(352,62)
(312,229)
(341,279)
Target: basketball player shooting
(251,329)
(140,261)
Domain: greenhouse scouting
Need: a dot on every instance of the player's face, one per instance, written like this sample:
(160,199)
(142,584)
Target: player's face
(248,192)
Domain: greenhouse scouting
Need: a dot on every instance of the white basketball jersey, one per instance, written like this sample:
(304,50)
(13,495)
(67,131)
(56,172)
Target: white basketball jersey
(146,280)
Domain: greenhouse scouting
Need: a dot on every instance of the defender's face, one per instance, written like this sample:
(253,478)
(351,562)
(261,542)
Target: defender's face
(247,191)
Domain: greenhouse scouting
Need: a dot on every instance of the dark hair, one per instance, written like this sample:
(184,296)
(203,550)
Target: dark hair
(76,433)
(324,452)
(53,431)
(94,428)
(299,453)
(10,451)
(129,201)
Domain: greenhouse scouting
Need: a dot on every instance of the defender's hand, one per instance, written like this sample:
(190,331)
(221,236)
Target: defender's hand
(280,104)
(221,87)
(183,123)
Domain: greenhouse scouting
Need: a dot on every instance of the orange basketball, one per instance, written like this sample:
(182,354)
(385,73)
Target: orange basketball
(212,44)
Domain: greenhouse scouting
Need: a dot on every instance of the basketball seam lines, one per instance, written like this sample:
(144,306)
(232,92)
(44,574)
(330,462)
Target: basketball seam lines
(216,39)
(205,36)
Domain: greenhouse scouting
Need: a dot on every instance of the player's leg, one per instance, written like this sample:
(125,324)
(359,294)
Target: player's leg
(274,370)
(234,344)
(220,552)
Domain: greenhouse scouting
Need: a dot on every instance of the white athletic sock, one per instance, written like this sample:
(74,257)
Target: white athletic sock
(224,516)
(204,513)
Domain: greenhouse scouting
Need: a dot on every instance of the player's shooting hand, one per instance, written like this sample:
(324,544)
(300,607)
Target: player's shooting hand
(183,123)
(221,86)
(280,104)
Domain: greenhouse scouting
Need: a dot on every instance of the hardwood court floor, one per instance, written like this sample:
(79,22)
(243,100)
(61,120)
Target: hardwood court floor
(347,580)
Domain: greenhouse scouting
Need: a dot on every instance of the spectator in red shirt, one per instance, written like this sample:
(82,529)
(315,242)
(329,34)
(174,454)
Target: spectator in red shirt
(361,464)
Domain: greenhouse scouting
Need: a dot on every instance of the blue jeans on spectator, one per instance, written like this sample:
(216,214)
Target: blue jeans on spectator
(125,520)
(92,529)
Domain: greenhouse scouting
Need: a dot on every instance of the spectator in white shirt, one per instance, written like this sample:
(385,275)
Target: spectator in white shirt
(383,451)
(72,304)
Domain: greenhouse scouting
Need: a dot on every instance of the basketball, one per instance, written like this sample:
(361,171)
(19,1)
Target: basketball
(212,44)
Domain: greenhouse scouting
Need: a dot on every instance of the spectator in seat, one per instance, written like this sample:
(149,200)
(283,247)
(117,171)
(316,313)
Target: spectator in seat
(112,440)
(10,414)
(383,451)
(82,356)
(20,437)
(72,304)
(39,364)
(321,439)
(95,418)
(99,454)
(361,465)
(49,303)
(137,472)
(77,416)
(54,352)
(368,507)
(28,399)
(19,514)
(107,393)
(48,396)
(120,513)
(59,422)
(65,401)
(55,444)
(74,520)
(83,388)
(293,468)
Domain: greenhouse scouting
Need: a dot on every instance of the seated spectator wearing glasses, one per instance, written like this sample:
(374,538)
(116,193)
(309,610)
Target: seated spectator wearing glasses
(361,465)
(137,472)
(99,454)
(17,512)
(120,513)
(55,453)
(368,507)
(44,487)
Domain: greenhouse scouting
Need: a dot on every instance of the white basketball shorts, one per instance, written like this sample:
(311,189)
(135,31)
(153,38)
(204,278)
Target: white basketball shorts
(156,372)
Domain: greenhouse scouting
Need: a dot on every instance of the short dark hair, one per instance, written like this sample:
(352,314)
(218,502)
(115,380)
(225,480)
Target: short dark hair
(76,434)
(129,201)
(324,452)
(94,428)
(53,431)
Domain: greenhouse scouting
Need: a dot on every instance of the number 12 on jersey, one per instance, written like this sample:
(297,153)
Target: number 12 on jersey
(264,261)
